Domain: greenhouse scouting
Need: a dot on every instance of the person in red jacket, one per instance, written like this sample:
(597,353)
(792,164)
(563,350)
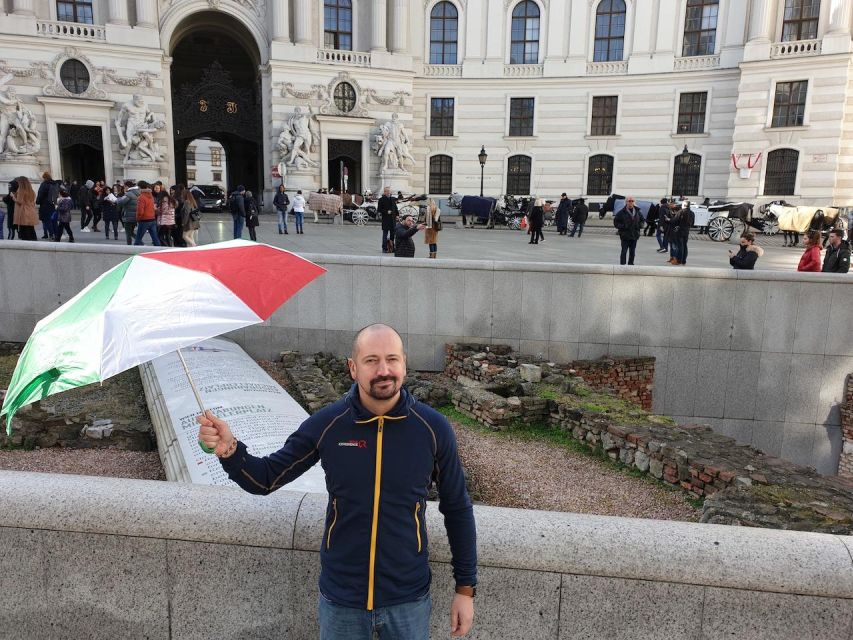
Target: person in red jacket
(810,260)
(146,219)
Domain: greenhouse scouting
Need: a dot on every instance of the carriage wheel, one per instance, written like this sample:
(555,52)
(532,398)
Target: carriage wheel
(514,223)
(409,210)
(738,227)
(720,229)
(360,217)
(771,226)
(549,222)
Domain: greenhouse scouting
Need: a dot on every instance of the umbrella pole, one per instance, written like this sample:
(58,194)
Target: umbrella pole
(204,447)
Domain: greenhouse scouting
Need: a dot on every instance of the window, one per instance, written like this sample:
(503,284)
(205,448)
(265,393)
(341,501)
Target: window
(800,21)
(685,177)
(691,112)
(700,27)
(780,178)
(217,176)
(524,48)
(609,31)
(74,76)
(441,174)
(216,156)
(443,33)
(604,110)
(521,117)
(599,176)
(337,21)
(789,105)
(518,175)
(190,155)
(74,11)
(190,175)
(344,97)
(441,118)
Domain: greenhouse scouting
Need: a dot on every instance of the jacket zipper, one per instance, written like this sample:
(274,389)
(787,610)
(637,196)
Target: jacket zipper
(375,525)
(334,520)
(418,525)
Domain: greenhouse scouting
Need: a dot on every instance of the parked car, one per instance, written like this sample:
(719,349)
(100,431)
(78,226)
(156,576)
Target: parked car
(210,197)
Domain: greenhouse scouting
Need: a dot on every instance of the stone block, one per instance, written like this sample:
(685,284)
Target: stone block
(477,302)
(688,296)
(827,449)
(832,388)
(748,328)
(566,290)
(18,291)
(740,386)
(339,342)
(798,442)
(767,437)
(366,304)
(339,292)
(804,388)
(780,316)
(507,313)
(811,328)
(394,301)
(641,461)
(626,308)
(423,354)
(536,303)
(712,378)
(613,608)
(657,317)
(311,340)
(681,381)
(731,613)
(771,394)
(22,581)
(592,351)
(656,468)
(530,373)
(718,312)
(449,302)
(422,291)
(562,352)
(839,320)
(596,301)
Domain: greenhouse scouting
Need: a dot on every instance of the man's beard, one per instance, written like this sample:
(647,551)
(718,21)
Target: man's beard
(383,393)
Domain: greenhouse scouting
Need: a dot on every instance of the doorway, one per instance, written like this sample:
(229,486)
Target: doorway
(345,165)
(81,150)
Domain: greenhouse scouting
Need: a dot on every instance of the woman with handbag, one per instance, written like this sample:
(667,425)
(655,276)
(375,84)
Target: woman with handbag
(166,223)
(252,220)
(190,219)
(433,226)
(26,215)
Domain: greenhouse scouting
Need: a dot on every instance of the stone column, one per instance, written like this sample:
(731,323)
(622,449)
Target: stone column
(146,13)
(302,18)
(378,40)
(400,27)
(281,20)
(23,8)
(839,16)
(760,18)
(118,12)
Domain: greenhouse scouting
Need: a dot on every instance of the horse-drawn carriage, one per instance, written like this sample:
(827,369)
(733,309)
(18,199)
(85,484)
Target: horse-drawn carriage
(359,208)
(801,219)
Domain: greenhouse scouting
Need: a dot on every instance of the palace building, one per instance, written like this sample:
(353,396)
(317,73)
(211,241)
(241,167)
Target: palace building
(727,99)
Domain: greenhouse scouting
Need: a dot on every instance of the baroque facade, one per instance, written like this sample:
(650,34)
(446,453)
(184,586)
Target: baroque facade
(581,96)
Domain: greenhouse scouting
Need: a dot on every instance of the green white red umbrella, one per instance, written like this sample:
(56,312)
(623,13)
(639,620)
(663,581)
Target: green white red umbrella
(150,305)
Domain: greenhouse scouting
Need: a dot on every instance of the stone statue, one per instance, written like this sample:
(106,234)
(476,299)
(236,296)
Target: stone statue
(296,142)
(392,145)
(136,126)
(18,132)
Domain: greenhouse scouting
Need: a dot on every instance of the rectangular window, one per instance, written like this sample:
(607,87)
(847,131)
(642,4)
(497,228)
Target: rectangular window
(800,21)
(74,11)
(216,157)
(521,116)
(604,109)
(700,27)
(190,156)
(691,112)
(217,176)
(789,105)
(190,175)
(441,175)
(441,118)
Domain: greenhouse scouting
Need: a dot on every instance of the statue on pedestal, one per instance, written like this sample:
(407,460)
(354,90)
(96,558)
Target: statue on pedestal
(136,126)
(391,144)
(296,142)
(18,132)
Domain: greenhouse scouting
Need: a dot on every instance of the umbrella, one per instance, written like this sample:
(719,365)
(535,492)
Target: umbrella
(150,305)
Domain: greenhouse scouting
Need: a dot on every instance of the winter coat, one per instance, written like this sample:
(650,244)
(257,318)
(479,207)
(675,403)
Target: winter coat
(25,214)
(190,217)
(109,210)
(298,204)
(683,223)
(563,213)
(746,257)
(10,210)
(387,209)
(281,201)
(431,232)
(537,218)
(837,260)
(628,226)
(145,211)
(84,198)
(251,213)
(810,260)
(404,247)
(46,198)
(167,213)
(63,207)
(580,213)
(127,205)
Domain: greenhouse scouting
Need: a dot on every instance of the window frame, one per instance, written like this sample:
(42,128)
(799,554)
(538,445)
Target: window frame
(525,59)
(771,115)
(191,175)
(214,178)
(74,4)
(80,65)
(592,117)
(190,153)
(444,43)
(338,6)
(799,22)
(700,51)
(215,156)
(676,164)
(609,37)
(509,158)
(430,111)
(589,164)
(447,176)
(532,118)
(678,113)
(796,177)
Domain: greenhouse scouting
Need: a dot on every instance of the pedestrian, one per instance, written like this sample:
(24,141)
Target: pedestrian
(388,212)
(298,211)
(191,219)
(433,226)
(85,199)
(281,202)
(26,216)
(562,217)
(579,215)
(63,209)
(627,221)
(374,563)
(837,259)
(238,210)
(109,211)
(146,215)
(681,224)
(748,254)
(126,206)
(97,212)
(9,201)
(73,191)
(166,219)
(537,221)
(663,220)
(810,260)
(652,220)
(252,220)
(404,247)
(46,198)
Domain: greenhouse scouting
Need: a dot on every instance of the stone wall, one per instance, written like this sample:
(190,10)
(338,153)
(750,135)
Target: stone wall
(845,464)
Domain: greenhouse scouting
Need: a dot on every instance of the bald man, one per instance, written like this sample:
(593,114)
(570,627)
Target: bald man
(381,450)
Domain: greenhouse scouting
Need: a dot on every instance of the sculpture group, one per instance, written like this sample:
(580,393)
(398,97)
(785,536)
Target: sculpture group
(296,142)
(136,126)
(391,144)
(19,135)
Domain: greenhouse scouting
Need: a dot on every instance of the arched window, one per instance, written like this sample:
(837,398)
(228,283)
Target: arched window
(800,20)
(599,175)
(780,178)
(441,175)
(685,175)
(609,31)
(74,11)
(518,175)
(443,33)
(337,24)
(700,27)
(524,47)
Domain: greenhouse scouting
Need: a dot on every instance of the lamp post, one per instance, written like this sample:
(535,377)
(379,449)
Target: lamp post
(684,157)
(482,156)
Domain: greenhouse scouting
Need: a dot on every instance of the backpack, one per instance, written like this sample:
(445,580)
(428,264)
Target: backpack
(53,192)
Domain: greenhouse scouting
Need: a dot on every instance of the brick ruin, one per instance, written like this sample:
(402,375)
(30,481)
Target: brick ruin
(845,463)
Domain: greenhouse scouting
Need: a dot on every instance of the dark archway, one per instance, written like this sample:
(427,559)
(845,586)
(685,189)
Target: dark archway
(81,150)
(216,93)
(345,154)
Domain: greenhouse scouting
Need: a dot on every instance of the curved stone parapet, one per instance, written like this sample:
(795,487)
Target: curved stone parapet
(101,557)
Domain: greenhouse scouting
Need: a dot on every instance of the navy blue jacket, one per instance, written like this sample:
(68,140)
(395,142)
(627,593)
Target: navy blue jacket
(378,472)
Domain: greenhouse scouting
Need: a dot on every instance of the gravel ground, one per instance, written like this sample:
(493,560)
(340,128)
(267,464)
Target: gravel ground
(114,463)
(510,471)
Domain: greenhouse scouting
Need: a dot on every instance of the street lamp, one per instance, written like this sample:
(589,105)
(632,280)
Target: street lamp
(684,157)
(482,156)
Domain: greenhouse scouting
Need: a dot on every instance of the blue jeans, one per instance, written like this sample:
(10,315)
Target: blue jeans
(150,227)
(298,215)
(576,226)
(282,220)
(408,621)
(660,236)
(238,226)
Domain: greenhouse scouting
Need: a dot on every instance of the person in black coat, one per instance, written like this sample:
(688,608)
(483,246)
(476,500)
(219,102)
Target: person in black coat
(9,201)
(46,198)
(537,221)
(388,212)
(563,210)
(747,255)
(837,258)
(628,222)
(85,198)
(580,213)
(404,246)
(681,225)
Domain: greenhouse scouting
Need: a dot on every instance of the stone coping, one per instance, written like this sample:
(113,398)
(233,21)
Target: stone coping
(481,265)
(674,552)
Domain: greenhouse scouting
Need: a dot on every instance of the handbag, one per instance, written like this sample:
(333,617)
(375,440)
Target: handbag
(437,225)
(253,220)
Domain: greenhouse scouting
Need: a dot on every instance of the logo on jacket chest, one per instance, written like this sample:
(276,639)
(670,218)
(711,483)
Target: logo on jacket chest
(359,444)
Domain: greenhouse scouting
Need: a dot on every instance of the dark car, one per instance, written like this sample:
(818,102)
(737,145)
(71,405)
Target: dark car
(210,197)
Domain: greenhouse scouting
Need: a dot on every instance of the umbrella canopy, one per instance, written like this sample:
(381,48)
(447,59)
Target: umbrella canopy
(150,305)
